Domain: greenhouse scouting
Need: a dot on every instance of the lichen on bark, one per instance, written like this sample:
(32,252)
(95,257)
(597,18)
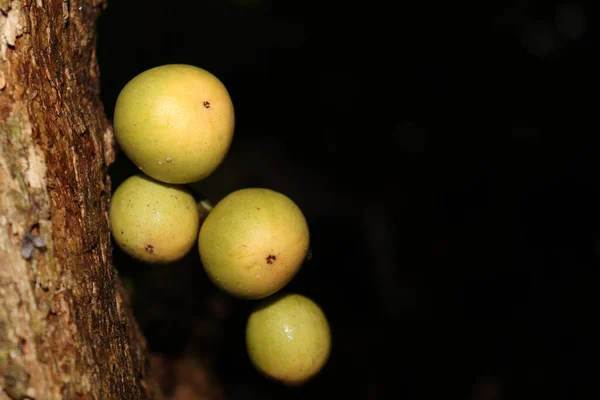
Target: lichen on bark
(66,328)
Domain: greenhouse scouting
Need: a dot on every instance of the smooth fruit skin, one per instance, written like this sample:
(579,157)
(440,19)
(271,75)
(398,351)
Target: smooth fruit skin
(175,122)
(253,242)
(288,338)
(153,221)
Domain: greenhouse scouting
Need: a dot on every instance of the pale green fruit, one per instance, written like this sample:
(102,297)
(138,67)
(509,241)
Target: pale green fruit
(253,242)
(288,338)
(175,122)
(153,221)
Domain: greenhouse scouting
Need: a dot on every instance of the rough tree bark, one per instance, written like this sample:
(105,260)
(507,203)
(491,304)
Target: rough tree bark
(66,329)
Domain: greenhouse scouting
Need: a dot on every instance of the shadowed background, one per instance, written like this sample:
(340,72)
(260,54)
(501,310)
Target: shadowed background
(444,158)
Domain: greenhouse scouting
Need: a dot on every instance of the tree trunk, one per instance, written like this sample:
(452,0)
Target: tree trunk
(66,328)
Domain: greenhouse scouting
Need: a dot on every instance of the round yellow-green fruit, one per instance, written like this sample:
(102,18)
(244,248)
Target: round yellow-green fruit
(175,122)
(253,242)
(153,221)
(288,338)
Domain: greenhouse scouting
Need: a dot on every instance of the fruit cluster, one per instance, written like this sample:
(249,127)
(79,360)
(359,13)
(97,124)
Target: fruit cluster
(175,123)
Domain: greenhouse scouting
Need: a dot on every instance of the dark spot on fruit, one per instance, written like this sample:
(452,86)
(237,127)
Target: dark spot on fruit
(149,248)
(257,208)
(271,258)
(206,104)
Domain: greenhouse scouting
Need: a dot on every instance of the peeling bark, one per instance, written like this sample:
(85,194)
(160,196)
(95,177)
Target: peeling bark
(66,328)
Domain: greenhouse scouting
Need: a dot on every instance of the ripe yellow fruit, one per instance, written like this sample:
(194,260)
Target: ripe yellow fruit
(253,242)
(288,338)
(175,122)
(153,221)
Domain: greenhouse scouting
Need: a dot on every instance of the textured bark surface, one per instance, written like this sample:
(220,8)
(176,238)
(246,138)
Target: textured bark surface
(66,329)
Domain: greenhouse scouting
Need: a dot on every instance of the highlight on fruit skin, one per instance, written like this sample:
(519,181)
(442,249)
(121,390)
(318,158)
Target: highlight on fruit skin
(153,221)
(288,338)
(175,122)
(253,242)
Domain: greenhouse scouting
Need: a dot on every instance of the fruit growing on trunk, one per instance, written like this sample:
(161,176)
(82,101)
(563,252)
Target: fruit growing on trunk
(153,221)
(253,242)
(175,122)
(288,338)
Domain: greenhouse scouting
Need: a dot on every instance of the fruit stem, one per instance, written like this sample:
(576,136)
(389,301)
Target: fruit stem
(205,207)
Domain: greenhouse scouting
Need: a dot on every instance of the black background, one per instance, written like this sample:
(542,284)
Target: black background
(445,158)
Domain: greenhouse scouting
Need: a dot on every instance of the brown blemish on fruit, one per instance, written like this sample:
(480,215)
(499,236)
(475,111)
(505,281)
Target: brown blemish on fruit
(167,160)
(149,248)
(271,258)
(257,208)
(206,104)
